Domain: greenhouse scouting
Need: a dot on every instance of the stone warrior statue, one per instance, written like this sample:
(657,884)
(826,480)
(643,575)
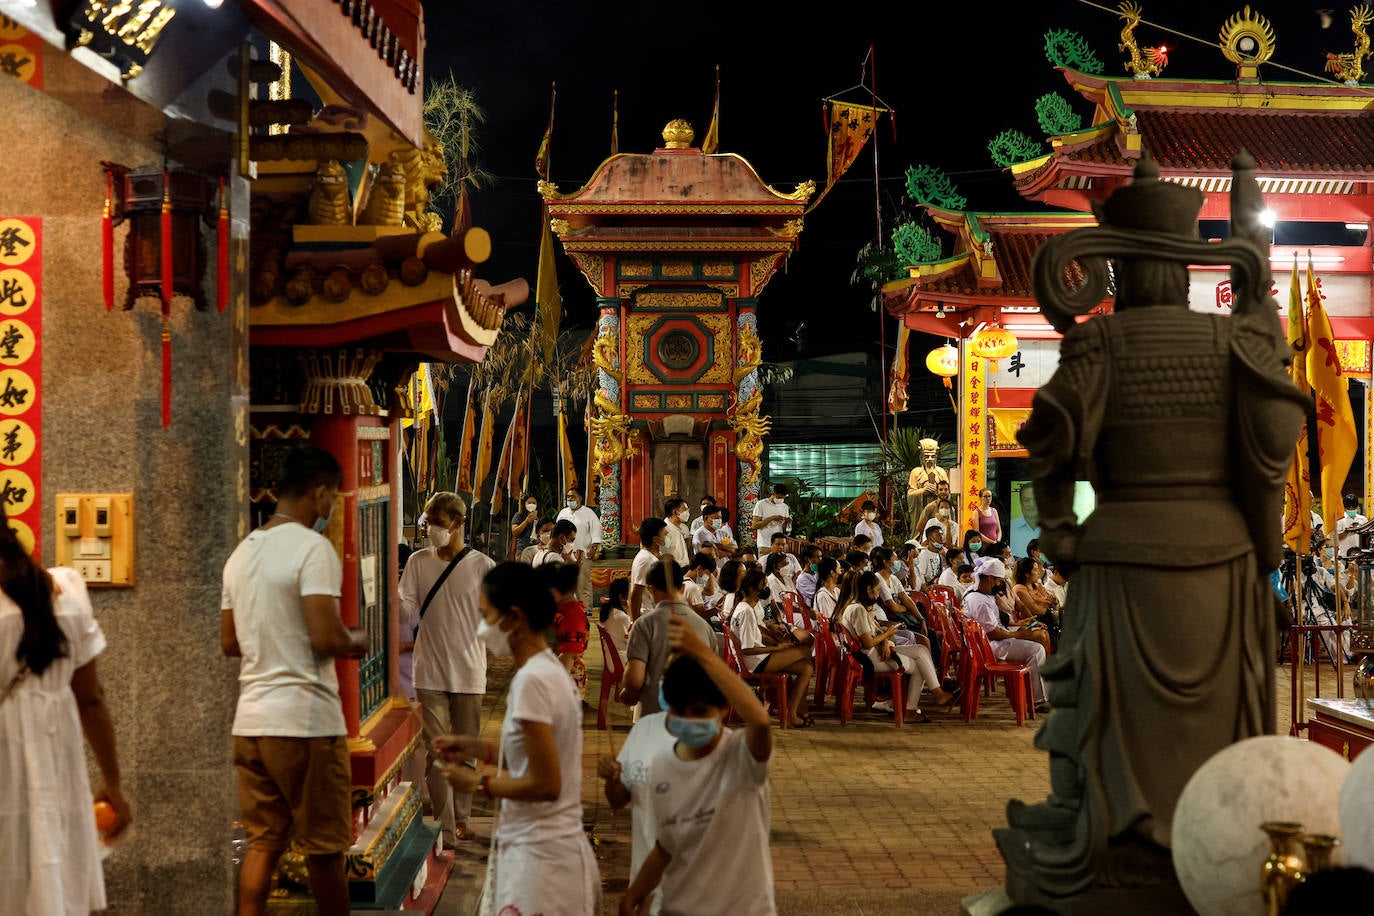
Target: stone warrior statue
(1185,424)
(920,486)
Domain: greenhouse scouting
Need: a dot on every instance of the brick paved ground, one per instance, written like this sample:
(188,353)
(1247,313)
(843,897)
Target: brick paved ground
(867,818)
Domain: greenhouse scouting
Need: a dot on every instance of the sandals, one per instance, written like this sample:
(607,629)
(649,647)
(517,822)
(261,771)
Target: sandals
(915,716)
(806,722)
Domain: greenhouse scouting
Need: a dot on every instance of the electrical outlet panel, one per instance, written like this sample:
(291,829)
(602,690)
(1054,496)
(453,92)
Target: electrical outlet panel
(95,536)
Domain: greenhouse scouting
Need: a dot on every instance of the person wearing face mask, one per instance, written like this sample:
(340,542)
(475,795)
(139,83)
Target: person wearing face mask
(699,588)
(869,523)
(931,560)
(973,545)
(790,568)
(701,519)
(675,513)
(941,510)
(709,532)
(586,545)
(772,516)
(1347,539)
(525,526)
(280,617)
(542,541)
(768,649)
(440,590)
(806,579)
(648,651)
(653,534)
(535,769)
(717,862)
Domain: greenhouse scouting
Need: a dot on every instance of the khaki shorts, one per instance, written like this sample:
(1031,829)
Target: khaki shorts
(295,788)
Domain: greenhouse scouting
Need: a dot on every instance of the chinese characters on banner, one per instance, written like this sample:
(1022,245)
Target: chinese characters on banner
(21,53)
(21,470)
(973,446)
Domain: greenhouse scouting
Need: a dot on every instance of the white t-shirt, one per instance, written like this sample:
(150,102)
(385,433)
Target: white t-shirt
(588,526)
(776,511)
(618,628)
(872,529)
(691,593)
(746,621)
(825,601)
(677,545)
(712,817)
(1345,541)
(647,740)
(544,555)
(705,535)
(448,654)
(950,579)
(788,574)
(541,691)
(286,688)
(928,565)
(639,570)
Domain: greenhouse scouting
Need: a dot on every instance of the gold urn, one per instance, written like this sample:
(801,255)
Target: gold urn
(678,134)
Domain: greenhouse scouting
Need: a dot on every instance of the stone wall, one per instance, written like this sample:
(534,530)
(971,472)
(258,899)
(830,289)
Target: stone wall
(171,691)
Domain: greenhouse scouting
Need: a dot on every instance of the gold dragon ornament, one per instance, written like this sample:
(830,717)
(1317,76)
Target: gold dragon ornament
(424,170)
(606,353)
(750,428)
(386,204)
(750,352)
(329,204)
(1144,62)
(609,430)
(1349,68)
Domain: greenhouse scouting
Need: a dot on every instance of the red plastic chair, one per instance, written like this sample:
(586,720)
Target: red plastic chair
(612,675)
(828,660)
(851,675)
(937,604)
(1016,678)
(774,681)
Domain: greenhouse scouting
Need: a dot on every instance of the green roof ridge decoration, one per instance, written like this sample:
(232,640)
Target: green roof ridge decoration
(1068,49)
(1011,146)
(927,185)
(1056,115)
(914,244)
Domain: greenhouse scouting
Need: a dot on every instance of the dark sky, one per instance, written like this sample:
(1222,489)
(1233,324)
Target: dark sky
(953,86)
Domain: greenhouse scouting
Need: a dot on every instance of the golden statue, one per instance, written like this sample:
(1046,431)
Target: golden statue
(920,486)
(424,170)
(750,429)
(609,428)
(386,203)
(1349,68)
(329,205)
(1144,62)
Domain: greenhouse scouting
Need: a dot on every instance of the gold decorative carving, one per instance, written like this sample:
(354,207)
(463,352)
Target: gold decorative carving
(560,227)
(636,268)
(1349,68)
(803,191)
(424,169)
(679,300)
(386,203)
(340,383)
(717,325)
(678,134)
(750,352)
(718,269)
(1144,62)
(646,402)
(1260,46)
(711,401)
(790,229)
(566,207)
(680,401)
(760,271)
(329,196)
(606,353)
(609,430)
(593,267)
(778,244)
(750,428)
(677,269)
(547,189)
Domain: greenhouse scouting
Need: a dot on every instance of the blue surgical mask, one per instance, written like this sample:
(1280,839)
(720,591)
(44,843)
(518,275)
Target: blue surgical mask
(695,733)
(321,524)
(1351,513)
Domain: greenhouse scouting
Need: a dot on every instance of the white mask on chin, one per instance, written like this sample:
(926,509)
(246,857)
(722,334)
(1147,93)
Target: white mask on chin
(494,638)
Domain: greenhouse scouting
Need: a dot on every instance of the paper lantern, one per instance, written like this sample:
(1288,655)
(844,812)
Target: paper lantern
(944,362)
(994,343)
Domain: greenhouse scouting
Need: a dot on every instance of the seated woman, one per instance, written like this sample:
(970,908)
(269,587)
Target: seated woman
(827,588)
(859,622)
(614,616)
(949,577)
(727,581)
(896,605)
(767,648)
(774,564)
(1033,602)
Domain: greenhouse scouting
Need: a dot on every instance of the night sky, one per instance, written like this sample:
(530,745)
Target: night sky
(953,89)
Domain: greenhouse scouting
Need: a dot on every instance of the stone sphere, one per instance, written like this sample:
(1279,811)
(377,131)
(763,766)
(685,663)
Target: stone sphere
(1357,812)
(1218,845)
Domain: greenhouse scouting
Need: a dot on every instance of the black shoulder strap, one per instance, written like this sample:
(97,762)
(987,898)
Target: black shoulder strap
(434,589)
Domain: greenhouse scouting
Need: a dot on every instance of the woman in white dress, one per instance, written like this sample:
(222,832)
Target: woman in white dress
(50,694)
(540,860)
(827,587)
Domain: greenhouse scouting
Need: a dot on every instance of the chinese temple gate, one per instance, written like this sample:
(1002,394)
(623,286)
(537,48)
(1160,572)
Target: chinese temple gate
(678,245)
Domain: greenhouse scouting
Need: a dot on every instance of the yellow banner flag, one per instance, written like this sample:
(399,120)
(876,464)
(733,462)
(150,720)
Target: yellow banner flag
(484,443)
(565,452)
(897,390)
(1297,491)
(1336,440)
(712,141)
(463,482)
(849,127)
(549,302)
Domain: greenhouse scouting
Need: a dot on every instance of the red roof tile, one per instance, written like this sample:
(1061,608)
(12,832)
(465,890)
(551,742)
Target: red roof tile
(1280,141)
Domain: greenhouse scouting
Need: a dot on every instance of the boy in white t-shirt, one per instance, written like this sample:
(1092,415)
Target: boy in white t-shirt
(710,799)
(627,783)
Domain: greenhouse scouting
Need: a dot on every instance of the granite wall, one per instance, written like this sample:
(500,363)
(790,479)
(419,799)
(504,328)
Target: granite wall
(171,691)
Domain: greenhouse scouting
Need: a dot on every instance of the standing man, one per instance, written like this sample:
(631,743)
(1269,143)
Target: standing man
(279,613)
(675,515)
(869,523)
(587,543)
(652,534)
(441,589)
(1346,539)
(942,508)
(701,519)
(772,516)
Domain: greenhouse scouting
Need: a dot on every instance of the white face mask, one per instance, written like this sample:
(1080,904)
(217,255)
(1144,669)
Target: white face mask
(530,507)
(715,523)
(494,638)
(572,502)
(870,515)
(702,580)
(544,536)
(682,516)
(440,537)
(944,513)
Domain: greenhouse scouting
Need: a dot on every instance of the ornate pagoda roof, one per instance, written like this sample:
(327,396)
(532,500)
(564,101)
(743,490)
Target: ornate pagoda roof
(990,267)
(1305,138)
(678,195)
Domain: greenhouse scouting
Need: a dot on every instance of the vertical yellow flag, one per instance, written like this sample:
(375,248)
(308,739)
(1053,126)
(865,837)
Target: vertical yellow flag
(565,452)
(712,141)
(463,483)
(484,443)
(1297,491)
(1336,441)
(549,302)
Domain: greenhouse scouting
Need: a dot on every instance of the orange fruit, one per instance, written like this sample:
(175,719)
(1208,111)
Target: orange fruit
(105,817)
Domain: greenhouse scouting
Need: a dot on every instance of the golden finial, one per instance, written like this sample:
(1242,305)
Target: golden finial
(678,134)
